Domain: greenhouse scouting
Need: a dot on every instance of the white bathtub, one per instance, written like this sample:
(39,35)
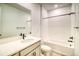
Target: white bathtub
(61,48)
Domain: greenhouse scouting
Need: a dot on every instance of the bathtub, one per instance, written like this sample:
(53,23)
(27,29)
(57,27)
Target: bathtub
(60,49)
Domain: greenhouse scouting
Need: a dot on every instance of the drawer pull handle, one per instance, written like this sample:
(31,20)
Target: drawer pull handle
(34,53)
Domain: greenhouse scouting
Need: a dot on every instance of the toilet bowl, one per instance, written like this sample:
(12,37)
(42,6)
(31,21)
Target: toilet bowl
(46,50)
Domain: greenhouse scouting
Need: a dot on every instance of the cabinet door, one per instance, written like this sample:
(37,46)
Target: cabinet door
(27,50)
(35,52)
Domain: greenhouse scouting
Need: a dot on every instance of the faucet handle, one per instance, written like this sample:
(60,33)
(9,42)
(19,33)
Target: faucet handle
(71,37)
(24,35)
(20,34)
(70,41)
(30,32)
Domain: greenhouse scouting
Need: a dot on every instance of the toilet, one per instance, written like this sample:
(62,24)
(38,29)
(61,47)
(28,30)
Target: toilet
(46,50)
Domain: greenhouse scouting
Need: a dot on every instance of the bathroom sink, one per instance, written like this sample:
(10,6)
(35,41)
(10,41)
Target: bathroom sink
(27,40)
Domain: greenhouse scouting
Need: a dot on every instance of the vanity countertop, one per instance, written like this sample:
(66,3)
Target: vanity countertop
(15,46)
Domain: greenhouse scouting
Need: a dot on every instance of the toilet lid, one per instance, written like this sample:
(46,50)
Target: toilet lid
(45,48)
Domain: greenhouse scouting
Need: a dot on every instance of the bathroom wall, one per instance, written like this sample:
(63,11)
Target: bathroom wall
(36,20)
(44,25)
(58,28)
(0,21)
(76,30)
(26,5)
(59,11)
(35,16)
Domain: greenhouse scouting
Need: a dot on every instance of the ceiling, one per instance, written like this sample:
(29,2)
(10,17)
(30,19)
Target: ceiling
(50,6)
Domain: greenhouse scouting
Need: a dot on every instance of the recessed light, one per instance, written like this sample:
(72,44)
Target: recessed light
(55,6)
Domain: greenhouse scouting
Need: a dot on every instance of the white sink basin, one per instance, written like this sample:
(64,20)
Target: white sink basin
(27,40)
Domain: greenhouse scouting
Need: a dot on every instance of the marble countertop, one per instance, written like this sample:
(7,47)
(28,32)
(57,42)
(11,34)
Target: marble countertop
(15,46)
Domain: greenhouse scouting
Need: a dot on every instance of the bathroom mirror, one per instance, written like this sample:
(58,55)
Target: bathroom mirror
(14,19)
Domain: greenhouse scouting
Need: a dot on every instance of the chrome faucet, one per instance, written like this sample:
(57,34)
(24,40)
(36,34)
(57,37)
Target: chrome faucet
(23,35)
(70,41)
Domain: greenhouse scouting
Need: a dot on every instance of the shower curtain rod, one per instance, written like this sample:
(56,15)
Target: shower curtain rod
(60,15)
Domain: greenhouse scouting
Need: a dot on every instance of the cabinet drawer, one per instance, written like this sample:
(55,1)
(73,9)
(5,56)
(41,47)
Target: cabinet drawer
(35,52)
(16,54)
(27,50)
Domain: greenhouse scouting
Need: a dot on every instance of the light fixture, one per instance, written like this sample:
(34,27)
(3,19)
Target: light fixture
(55,6)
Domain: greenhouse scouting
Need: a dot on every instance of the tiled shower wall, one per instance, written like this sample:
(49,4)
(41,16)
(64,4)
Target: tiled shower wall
(56,29)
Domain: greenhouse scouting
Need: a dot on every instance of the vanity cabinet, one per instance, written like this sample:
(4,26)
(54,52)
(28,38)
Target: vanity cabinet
(35,52)
(23,48)
(32,50)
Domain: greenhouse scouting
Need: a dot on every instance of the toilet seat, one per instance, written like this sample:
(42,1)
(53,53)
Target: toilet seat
(46,50)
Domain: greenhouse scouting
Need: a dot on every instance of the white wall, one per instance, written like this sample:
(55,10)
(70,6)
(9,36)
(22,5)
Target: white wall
(36,20)
(59,29)
(76,31)
(59,11)
(0,20)
(35,12)
(44,25)
(26,5)
(56,29)
(44,12)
